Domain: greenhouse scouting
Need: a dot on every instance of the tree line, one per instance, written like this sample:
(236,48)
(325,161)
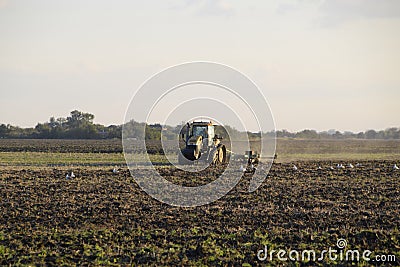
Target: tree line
(389,133)
(80,125)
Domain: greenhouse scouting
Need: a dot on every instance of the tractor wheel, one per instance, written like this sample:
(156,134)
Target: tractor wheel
(191,153)
(224,158)
(182,158)
(219,156)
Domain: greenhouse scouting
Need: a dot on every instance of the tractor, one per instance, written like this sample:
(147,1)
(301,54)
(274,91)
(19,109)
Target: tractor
(202,144)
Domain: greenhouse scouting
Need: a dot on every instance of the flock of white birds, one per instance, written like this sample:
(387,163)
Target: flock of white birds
(71,175)
(341,166)
(295,168)
(251,167)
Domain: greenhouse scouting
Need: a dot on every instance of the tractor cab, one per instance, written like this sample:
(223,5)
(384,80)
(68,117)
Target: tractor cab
(198,130)
(203,129)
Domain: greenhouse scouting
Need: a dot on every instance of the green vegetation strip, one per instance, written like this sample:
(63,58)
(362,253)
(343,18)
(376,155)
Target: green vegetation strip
(43,158)
(46,159)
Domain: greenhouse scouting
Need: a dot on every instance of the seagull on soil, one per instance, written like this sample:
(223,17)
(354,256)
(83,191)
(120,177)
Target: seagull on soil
(115,170)
(242,169)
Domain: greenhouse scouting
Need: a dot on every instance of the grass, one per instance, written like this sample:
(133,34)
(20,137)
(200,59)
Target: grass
(45,158)
(63,159)
(352,149)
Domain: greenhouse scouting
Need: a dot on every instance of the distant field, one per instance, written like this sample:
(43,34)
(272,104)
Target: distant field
(57,145)
(297,149)
(109,152)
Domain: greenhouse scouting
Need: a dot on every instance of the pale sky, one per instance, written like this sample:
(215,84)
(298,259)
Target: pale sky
(321,64)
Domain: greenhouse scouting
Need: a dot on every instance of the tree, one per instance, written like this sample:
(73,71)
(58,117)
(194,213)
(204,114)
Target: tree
(392,133)
(370,134)
(3,131)
(307,134)
(61,121)
(52,122)
(79,118)
(114,131)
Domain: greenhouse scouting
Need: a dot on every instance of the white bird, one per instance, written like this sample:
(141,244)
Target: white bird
(395,167)
(295,168)
(115,170)
(319,168)
(72,175)
(242,169)
(340,166)
(331,167)
(252,167)
(351,166)
(358,165)
(67,176)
